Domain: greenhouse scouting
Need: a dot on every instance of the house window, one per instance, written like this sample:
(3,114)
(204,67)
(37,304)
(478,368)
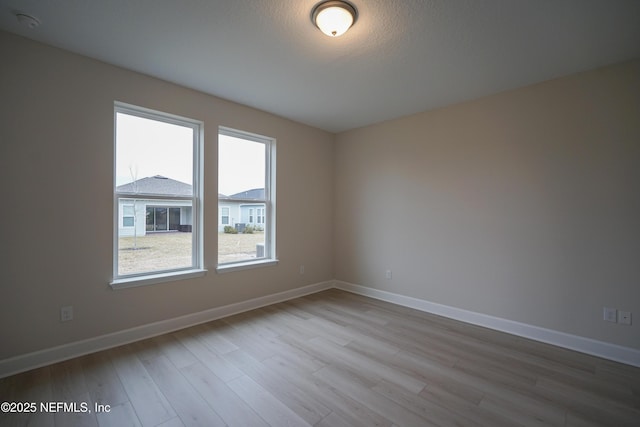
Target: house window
(246,184)
(128,216)
(224,216)
(158,190)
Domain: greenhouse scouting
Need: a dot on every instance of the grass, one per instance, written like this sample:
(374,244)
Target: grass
(163,251)
(236,247)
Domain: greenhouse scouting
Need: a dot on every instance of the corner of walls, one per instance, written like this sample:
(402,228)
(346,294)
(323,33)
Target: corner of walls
(593,347)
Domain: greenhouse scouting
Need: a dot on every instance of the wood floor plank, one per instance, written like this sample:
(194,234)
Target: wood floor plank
(287,323)
(444,382)
(151,406)
(214,336)
(591,407)
(350,410)
(449,411)
(348,313)
(218,365)
(68,380)
(234,411)
(253,321)
(245,338)
(185,400)
(295,398)
(146,349)
(348,384)
(333,420)
(303,360)
(101,380)
(174,350)
(121,415)
(436,375)
(78,416)
(173,422)
(524,414)
(265,404)
(367,366)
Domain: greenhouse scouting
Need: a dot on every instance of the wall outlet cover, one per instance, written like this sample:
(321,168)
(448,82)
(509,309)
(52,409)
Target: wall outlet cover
(624,317)
(66,313)
(610,314)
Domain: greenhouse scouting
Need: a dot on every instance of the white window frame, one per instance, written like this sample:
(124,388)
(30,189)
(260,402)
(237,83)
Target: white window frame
(197,264)
(222,215)
(270,255)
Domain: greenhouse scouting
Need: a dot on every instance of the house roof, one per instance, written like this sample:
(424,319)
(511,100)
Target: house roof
(157,185)
(162,186)
(253,194)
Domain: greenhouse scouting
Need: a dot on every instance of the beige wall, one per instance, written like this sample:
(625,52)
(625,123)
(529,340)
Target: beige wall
(56,178)
(524,205)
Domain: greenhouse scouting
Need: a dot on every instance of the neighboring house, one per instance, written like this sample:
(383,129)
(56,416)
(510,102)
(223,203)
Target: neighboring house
(150,215)
(241,209)
(144,215)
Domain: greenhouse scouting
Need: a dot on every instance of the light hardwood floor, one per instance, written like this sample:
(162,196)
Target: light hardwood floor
(333,359)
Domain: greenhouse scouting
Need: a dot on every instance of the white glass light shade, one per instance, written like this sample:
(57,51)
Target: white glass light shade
(334,18)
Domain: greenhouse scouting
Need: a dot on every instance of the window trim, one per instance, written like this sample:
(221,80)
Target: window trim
(271,256)
(197,202)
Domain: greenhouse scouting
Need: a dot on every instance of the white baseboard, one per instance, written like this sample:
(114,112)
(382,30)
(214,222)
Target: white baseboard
(59,353)
(590,346)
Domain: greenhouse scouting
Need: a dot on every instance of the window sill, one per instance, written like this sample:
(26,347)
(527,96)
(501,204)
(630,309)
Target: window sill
(152,279)
(228,268)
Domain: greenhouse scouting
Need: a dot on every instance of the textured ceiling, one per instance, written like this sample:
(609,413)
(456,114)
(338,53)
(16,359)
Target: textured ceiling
(401,57)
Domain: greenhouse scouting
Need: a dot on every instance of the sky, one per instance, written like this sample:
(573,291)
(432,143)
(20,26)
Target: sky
(241,165)
(148,147)
(145,148)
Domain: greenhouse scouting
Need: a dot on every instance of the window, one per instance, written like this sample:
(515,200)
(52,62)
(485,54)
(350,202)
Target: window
(157,190)
(246,187)
(224,216)
(128,215)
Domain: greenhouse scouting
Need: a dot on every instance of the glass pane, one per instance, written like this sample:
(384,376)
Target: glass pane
(161,219)
(156,158)
(150,219)
(149,247)
(241,179)
(153,157)
(174,218)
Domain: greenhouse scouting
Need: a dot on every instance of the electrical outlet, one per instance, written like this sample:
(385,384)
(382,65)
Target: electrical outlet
(388,274)
(610,314)
(302,269)
(66,313)
(624,317)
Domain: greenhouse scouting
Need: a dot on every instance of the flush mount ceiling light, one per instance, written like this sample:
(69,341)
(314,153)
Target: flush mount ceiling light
(334,18)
